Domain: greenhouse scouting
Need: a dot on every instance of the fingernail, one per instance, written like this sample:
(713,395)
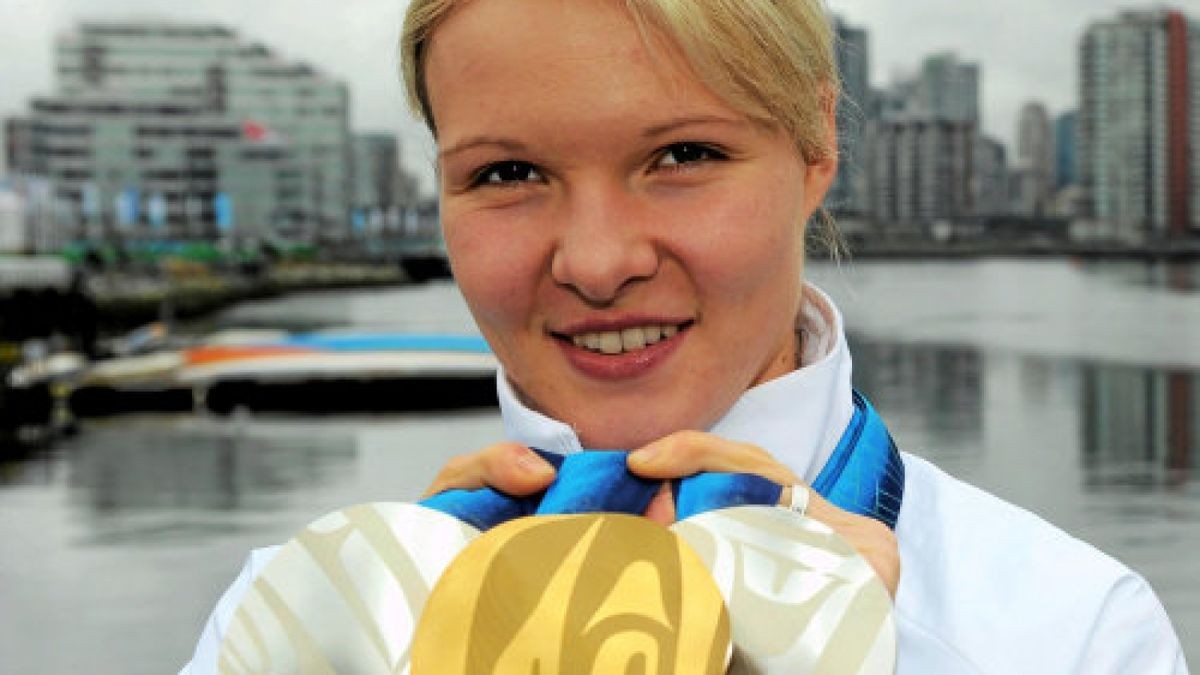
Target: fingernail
(535,465)
(644,455)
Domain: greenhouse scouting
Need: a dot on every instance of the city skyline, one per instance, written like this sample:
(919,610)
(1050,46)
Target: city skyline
(357,44)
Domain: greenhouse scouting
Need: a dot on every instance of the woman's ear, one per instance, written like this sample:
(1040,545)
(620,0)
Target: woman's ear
(822,170)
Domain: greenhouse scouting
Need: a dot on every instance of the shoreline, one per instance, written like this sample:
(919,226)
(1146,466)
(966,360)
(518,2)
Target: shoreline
(125,302)
(915,250)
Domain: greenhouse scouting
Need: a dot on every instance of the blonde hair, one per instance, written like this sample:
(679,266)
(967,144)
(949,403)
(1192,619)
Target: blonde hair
(772,60)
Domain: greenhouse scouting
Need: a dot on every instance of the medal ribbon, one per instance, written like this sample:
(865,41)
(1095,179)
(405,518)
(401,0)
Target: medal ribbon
(864,475)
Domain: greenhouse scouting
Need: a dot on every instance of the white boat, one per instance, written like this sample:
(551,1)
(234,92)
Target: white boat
(315,373)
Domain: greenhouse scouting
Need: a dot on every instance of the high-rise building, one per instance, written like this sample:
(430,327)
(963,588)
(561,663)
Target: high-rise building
(188,130)
(921,170)
(377,178)
(383,192)
(991,179)
(1139,123)
(947,88)
(853,62)
(31,221)
(924,148)
(898,98)
(1066,129)
(1034,170)
(18,143)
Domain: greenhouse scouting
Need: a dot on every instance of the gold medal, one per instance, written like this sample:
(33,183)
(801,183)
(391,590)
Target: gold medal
(563,595)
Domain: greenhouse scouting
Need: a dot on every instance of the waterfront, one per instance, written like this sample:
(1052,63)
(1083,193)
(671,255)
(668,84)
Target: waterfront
(1071,390)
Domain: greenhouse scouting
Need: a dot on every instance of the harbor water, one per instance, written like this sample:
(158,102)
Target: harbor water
(1070,389)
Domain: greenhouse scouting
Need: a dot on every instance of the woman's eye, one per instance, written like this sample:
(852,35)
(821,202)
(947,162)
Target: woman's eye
(504,173)
(688,153)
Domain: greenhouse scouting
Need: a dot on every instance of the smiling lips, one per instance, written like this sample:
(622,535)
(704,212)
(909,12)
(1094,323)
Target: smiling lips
(619,350)
(622,341)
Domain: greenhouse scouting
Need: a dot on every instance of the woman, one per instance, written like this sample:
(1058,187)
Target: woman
(625,188)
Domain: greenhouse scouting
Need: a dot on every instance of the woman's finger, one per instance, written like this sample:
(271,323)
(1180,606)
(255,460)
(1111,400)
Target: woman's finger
(662,508)
(870,538)
(510,468)
(687,453)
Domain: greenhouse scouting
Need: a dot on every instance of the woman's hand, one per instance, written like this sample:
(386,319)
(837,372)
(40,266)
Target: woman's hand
(516,470)
(508,467)
(686,453)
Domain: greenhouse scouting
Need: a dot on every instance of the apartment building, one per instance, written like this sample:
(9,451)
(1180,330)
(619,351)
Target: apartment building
(1138,157)
(188,131)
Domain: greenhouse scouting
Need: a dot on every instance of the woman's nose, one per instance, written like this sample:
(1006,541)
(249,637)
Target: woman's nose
(604,246)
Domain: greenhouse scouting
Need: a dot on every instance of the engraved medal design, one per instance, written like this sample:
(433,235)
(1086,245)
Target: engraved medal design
(345,595)
(563,595)
(800,599)
(382,588)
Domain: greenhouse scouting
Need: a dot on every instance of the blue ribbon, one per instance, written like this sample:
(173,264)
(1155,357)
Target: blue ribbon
(597,481)
(710,491)
(864,475)
(486,508)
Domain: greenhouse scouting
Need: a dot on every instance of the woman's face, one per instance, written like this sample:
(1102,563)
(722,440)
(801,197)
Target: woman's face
(630,245)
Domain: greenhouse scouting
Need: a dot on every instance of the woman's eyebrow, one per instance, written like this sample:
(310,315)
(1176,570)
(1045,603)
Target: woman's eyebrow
(676,124)
(663,128)
(478,141)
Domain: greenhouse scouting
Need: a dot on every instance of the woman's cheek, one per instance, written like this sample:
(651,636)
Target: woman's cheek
(747,244)
(493,266)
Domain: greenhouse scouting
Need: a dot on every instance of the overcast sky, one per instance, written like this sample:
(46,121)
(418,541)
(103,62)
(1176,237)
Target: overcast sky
(1027,47)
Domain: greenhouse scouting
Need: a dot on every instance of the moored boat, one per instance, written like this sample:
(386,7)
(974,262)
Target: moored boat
(312,372)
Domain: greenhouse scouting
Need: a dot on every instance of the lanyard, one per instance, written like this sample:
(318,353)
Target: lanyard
(864,475)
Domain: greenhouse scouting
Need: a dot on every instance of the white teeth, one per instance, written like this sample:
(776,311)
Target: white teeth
(632,338)
(610,343)
(627,340)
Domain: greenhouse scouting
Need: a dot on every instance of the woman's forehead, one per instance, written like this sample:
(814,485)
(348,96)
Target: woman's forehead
(567,58)
(590,26)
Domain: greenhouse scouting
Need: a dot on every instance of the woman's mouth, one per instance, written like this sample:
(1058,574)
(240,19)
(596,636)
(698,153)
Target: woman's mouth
(630,339)
(619,352)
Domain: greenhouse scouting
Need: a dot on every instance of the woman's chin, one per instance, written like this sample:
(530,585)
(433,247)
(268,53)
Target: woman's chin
(627,418)
(630,432)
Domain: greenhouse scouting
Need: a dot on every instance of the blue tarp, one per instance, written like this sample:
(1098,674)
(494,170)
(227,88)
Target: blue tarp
(376,342)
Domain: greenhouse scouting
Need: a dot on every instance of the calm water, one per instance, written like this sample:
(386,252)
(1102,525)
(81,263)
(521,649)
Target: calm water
(1071,390)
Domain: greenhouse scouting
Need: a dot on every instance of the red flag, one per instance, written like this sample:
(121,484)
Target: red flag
(258,133)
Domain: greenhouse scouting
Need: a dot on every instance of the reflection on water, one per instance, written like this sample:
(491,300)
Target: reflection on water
(1135,417)
(1136,426)
(1054,309)
(155,480)
(137,524)
(1171,276)
(928,393)
(199,466)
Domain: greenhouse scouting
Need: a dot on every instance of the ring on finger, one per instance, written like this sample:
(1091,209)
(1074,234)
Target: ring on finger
(798,501)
